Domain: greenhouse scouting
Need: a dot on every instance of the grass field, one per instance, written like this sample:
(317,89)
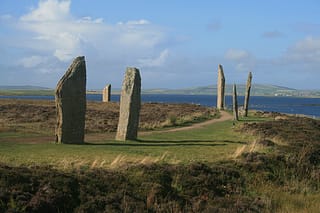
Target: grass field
(208,144)
(259,164)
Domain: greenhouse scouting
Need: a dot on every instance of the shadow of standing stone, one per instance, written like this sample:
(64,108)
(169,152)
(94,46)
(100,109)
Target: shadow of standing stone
(130,103)
(70,98)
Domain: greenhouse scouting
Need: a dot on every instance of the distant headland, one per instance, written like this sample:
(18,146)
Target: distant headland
(257,90)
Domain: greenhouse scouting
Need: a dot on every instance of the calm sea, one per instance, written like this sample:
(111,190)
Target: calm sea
(292,105)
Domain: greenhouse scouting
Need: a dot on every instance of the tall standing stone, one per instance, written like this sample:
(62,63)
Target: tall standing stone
(106,93)
(220,88)
(130,102)
(70,98)
(247,96)
(235,103)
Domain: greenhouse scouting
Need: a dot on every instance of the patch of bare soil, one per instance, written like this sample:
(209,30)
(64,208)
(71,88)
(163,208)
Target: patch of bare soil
(39,116)
(224,116)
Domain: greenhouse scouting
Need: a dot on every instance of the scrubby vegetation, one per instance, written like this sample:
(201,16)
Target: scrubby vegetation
(152,188)
(38,116)
(287,169)
(267,162)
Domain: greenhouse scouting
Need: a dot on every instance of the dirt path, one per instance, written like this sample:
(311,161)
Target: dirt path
(224,116)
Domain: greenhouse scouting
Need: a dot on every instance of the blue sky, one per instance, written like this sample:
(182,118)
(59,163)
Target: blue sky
(175,44)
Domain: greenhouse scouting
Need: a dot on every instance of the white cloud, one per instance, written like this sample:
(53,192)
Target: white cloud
(155,62)
(57,33)
(234,54)
(50,10)
(306,50)
(138,22)
(44,40)
(240,59)
(39,64)
(71,46)
(243,67)
(32,61)
(308,44)
(88,19)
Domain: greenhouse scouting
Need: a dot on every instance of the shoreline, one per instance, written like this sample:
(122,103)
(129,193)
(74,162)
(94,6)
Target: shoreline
(2,96)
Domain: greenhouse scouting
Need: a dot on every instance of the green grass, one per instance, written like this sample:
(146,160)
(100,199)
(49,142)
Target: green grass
(209,144)
(271,180)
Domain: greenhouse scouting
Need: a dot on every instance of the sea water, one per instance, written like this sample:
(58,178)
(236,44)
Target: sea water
(292,105)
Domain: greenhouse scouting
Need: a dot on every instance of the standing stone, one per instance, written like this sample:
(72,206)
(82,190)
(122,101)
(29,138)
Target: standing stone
(220,88)
(247,96)
(130,102)
(235,103)
(70,98)
(106,93)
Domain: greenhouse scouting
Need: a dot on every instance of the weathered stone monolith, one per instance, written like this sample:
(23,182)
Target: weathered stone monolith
(247,95)
(70,98)
(130,102)
(106,93)
(235,103)
(220,88)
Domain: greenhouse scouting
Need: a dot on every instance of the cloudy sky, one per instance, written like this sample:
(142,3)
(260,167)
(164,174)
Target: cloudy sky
(174,43)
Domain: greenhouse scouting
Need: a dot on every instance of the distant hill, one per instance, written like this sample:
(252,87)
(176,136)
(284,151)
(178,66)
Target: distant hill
(25,87)
(256,90)
(25,90)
